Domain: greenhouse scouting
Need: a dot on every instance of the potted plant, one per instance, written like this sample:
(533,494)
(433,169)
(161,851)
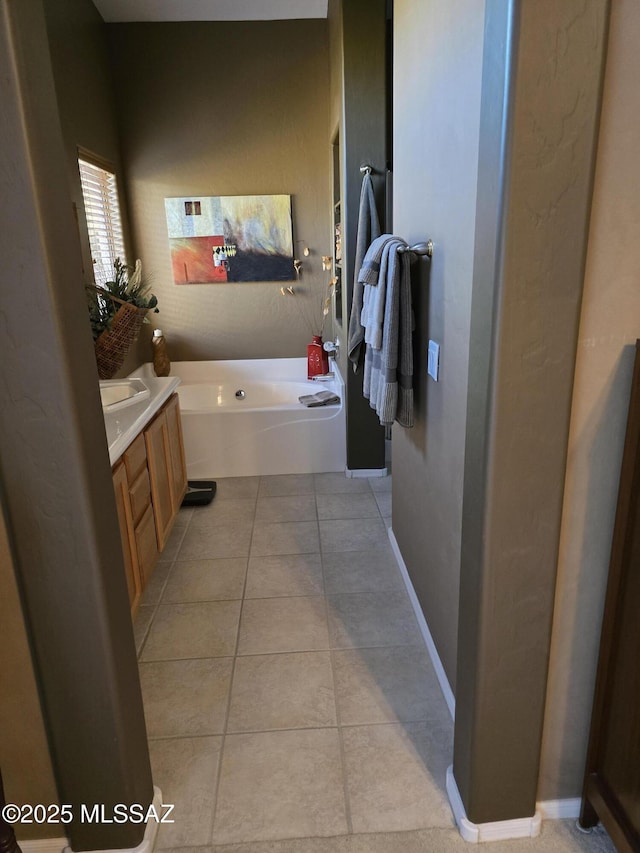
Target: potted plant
(117,311)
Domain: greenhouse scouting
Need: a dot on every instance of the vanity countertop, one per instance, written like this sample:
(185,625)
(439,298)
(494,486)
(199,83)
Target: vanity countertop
(124,425)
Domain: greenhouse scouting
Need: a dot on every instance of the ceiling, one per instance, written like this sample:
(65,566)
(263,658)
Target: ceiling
(114,11)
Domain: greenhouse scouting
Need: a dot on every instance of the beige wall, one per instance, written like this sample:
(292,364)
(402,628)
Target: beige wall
(226,109)
(610,324)
(437,77)
(86,105)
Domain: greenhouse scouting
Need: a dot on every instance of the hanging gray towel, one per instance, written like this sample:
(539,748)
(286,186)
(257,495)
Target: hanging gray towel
(388,320)
(368,230)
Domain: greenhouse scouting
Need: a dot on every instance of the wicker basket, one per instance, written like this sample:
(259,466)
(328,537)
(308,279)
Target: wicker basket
(113,344)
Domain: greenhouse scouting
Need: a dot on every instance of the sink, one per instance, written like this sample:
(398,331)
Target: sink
(117,394)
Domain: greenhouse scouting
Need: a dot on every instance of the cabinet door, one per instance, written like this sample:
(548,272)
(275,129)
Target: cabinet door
(146,545)
(160,476)
(176,448)
(132,574)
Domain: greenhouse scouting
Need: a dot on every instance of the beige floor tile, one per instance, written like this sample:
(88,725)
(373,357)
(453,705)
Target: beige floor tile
(359,534)
(336,483)
(173,544)
(387,685)
(557,836)
(286,508)
(380,484)
(208,543)
(396,776)
(383,499)
(183,517)
(203,630)
(372,619)
(206,580)
(141,625)
(361,571)
(286,484)
(276,785)
(185,770)
(155,586)
(236,487)
(291,537)
(356,505)
(284,691)
(185,697)
(284,575)
(224,512)
(272,625)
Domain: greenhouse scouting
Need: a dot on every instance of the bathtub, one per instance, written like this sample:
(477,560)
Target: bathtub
(266,431)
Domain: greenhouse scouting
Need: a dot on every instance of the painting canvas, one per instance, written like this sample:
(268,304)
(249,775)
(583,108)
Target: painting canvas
(230,238)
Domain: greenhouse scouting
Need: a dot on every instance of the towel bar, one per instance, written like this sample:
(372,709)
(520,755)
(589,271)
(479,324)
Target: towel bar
(419,249)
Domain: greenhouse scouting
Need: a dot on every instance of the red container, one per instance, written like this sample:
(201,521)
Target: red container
(317,358)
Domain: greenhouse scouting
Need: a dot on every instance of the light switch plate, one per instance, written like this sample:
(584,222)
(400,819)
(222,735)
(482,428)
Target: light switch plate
(433,360)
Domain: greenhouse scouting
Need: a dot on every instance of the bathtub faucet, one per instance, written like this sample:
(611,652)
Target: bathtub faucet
(331,348)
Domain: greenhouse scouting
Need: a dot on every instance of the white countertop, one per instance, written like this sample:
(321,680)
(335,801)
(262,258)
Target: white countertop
(124,425)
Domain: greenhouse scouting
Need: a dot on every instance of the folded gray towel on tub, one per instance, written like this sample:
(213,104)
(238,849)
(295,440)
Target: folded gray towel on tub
(321,398)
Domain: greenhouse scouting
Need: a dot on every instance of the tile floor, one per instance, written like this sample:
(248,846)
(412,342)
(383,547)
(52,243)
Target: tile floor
(290,703)
(287,690)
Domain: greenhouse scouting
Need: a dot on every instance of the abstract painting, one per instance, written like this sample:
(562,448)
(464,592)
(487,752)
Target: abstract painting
(222,239)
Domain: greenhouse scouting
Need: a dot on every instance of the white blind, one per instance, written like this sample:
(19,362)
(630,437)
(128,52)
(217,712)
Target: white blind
(102,209)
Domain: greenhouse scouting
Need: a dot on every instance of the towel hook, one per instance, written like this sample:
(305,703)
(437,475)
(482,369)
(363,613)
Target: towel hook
(366,169)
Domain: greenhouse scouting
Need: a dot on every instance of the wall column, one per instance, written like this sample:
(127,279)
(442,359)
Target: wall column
(543,67)
(55,476)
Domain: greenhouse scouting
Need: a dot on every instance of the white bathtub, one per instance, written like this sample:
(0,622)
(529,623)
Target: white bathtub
(267,431)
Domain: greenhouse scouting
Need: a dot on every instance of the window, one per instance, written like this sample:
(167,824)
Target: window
(102,209)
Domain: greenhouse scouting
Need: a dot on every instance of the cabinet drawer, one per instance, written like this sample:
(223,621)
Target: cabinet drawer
(146,545)
(135,458)
(140,494)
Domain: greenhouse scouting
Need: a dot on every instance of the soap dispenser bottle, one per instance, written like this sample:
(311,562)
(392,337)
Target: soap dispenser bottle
(161,363)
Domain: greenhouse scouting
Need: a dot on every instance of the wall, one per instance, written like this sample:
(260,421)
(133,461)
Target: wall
(57,488)
(24,751)
(437,76)
(86,105)
(609,326)
(78,55)
(358,109)
(226,109)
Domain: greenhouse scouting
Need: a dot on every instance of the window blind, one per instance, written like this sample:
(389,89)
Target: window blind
(102,209)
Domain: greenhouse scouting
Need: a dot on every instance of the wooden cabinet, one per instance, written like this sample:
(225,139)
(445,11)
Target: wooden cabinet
(167,468)
(150,482)
(127,535)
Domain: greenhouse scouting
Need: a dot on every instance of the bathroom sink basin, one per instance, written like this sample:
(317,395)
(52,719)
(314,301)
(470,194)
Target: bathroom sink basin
(119,393)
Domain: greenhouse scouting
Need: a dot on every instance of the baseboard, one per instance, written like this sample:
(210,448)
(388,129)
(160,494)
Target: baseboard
(560,809)
(447,692)
(43,845)
(150,834)
(352,473)
(499,830)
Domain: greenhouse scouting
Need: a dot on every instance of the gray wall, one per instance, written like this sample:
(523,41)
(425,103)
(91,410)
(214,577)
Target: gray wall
(609,326)
(226,109)
(437,76)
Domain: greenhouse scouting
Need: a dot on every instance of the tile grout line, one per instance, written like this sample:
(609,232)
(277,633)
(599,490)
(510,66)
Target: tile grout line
(343,762)
(159,601)
(225,724)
